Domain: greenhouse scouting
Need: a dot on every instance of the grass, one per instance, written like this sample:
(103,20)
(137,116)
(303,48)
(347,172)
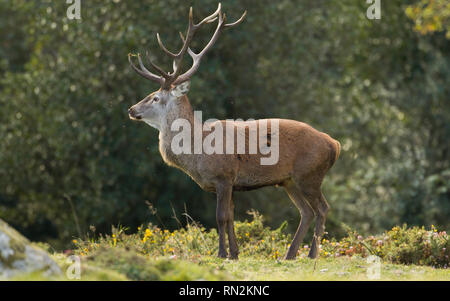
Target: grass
(211,268)
(324,269)
(189,253)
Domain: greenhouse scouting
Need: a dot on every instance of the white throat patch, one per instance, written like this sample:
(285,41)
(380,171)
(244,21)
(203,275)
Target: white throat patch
(152,124)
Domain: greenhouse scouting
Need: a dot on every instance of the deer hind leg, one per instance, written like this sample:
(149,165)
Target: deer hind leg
(234,250)
(306,213)
(320,205)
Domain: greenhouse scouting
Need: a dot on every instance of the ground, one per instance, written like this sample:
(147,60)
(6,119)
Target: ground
(211,268)
(189,253)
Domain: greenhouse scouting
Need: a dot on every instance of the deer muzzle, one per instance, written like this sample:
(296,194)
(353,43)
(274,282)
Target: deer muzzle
(133,114)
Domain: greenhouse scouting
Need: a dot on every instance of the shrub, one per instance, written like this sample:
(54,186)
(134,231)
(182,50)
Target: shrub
(418,246)
(400,245)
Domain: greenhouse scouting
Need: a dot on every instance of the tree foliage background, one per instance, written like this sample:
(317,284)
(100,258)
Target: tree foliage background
(71,158)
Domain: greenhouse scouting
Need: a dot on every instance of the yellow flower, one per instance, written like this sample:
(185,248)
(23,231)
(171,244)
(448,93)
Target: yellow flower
(74,241)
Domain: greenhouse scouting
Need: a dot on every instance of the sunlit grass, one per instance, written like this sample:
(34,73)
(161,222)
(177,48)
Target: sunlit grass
(325,269)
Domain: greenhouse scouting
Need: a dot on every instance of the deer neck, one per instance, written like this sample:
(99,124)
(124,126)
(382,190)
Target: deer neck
(180,110)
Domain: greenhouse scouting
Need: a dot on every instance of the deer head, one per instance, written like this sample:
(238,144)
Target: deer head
(154,108)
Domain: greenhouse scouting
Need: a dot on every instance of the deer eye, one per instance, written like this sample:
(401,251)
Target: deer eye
(156,99)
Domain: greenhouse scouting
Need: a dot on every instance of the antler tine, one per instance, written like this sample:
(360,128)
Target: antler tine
(239,21)
(210,18)
(174,66)
(169,53)
(143,71)
(156,67)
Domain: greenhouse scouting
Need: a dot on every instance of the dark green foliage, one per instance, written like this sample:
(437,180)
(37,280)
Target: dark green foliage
(70,157)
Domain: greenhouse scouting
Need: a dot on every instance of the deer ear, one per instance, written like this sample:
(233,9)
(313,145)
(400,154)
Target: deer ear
(181,89)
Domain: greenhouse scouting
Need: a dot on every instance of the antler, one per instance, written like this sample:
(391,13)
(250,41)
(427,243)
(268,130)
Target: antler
(196,57)
(167,79)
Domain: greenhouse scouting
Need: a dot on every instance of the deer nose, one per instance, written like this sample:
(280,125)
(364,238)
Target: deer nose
(133,114)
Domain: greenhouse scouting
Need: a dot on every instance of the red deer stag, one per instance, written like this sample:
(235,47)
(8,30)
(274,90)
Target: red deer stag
(305,154)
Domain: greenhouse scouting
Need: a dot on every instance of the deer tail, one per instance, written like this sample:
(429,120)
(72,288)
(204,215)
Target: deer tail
(335,150)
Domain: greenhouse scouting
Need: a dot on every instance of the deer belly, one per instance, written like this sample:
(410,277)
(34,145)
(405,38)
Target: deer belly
(261,176)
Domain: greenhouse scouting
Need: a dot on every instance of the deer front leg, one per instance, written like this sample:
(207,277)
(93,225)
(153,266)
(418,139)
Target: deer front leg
(222,215)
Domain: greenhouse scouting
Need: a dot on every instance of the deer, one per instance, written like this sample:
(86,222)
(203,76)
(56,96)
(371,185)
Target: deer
(305,154)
